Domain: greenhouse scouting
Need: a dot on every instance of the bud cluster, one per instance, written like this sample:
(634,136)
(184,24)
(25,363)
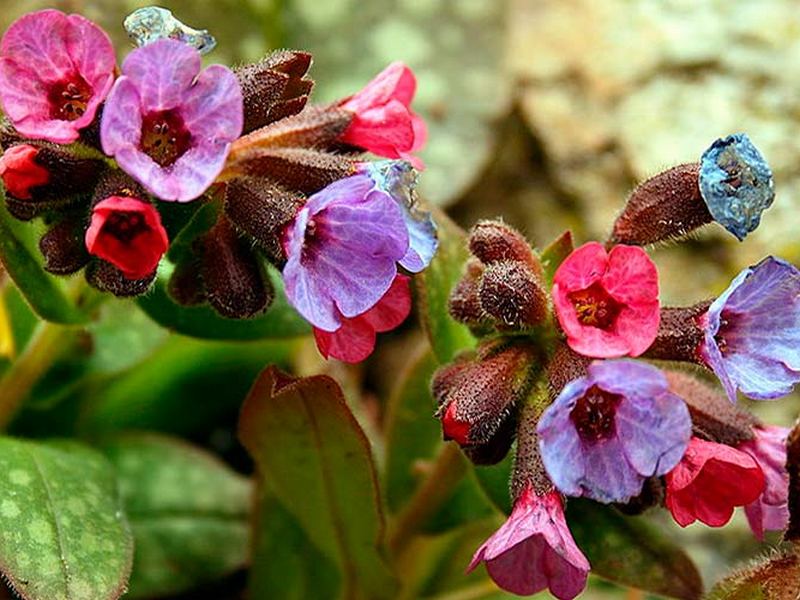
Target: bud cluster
(590,420)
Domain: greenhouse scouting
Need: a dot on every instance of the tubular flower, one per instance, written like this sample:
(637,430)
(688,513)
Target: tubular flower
(752,331)
(169,125)
(355,339)
(610,430)
(342,251)
(383,121)
(607,303)
(534,550)
(20,172)
(770,512)
(127,232)
(55,70)
(710,480)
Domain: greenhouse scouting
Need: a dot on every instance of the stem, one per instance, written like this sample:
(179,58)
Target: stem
(448,470)
(47,342)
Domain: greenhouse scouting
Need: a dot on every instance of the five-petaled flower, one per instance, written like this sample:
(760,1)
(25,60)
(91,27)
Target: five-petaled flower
(534,550)
(355,339)
(20,172)
(169,125)
(383,122)
(55,70)
(610,430)
(752,331)
(127,232)
(710,481)
(607,302)
(770,512)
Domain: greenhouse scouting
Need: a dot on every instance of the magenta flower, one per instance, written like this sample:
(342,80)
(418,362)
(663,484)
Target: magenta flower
(55,70)
(342,251)
(168,124)
(770,512)
(534,550)
(613,428)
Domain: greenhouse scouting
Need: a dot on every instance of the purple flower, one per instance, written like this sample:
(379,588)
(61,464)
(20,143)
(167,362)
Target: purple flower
(770,512)
(534,550)
(752,331)
(611,429)
(55,70)
(342,251)
(168,124)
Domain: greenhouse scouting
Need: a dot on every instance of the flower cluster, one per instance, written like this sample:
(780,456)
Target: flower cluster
(232,166)
(561,370)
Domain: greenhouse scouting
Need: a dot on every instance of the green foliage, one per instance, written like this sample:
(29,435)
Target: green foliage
(64,535)
(311,453)
(188,511)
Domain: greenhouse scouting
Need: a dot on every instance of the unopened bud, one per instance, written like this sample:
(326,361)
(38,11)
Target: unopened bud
(494,241)
(235,281)
(510,293)
(261,210)
(185,284)
(464,304)
(21,173)
(679,334)
(63,247)
(106,277)
(496,449)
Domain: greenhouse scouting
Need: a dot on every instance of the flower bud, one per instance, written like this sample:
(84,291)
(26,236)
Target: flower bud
(63,247)
(496,449)
(464,304)
(261,210)
(494,241)
(234,279)
(105,277)
(274,87)
(511,293)
(185,284)
(20,172)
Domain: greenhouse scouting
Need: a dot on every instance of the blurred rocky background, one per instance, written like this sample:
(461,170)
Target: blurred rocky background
(548,111)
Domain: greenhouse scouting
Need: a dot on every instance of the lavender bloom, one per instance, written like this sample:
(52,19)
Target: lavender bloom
(398,178)
(168,124)
(752,331)
(342,251)
(736,184)
(611,429)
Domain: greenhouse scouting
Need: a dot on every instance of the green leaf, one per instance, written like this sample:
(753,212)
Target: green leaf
(21,258)
(63,535)
(631,551)
(286,564)
(317,461)
(280,320)
(494,481)
(447,337)
(189,513)
(555,253)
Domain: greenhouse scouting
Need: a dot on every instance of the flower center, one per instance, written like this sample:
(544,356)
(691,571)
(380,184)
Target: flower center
(595,307)
(727,323)
(594,413)
(68,98)
(164,137)
(125,225)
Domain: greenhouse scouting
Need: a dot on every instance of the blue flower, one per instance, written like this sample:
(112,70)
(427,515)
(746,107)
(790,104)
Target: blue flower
(752,331)
(736,184)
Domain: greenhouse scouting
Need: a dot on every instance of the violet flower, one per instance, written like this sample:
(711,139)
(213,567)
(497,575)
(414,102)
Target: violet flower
(534,550)
(342,251)
(770,512)
(169,125)
(611,429)
(752,331)
(55,70)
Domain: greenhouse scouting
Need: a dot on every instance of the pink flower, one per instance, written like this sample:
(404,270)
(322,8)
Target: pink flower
(710,481)
(55,70)
(534,550)
(354,341)
(168,124)
(770,512)
(384,123)
(127,232)
(607,303)
(20,172)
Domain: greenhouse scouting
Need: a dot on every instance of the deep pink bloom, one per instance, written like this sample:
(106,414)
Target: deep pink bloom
(384,123)
(607,303)
(20,172)
(710,481)
(354,341)
(770,512)
(534,550)
(127,232)
(55,70)
(168,124)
